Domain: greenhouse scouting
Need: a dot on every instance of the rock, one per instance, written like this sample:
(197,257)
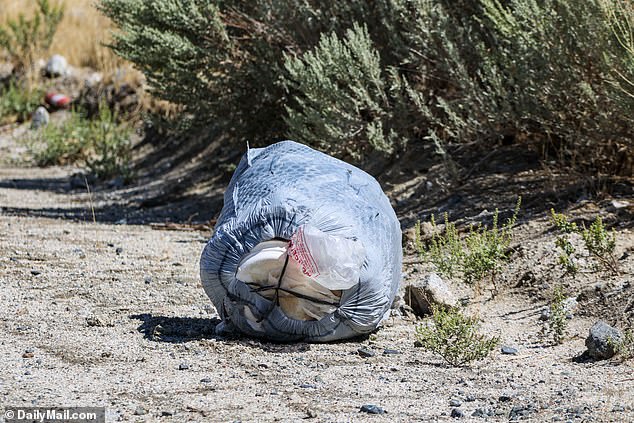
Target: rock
(36,272)
(455,402)
(140,411)
(521,412)
(504,398)
(388,351)
(118,251)
(372,409)
(457,413)
(40,118)
(148,280)
(508,350)
(94,321)
(183,366)
(432,291)
(308,386)
(619,204)
(365,352)
(602,341)
(205,380)
(56,66)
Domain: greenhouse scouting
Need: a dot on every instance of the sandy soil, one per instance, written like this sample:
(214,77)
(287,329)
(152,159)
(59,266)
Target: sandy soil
(114,315)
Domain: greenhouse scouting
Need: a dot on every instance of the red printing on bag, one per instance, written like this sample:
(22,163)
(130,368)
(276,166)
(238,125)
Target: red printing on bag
(301,254)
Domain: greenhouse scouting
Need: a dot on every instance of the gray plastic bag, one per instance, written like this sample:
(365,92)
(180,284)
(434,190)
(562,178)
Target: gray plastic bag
(275,191)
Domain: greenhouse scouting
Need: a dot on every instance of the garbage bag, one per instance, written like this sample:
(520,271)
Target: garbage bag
(306,248)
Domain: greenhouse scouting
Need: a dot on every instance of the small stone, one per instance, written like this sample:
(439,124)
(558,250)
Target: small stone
(27,355)
(508,350)
(457,413)
(372,409)
(35,272)
(205,380)
(27,373)
(167,413)
(619,204)
(545,314)
(119,250)
(94,321)
(504,398)
(310,413)
(455,402)
(29,350)
(40,118)
(183,366)
(365,352)
(421,296)
(308,386)
(470,398)
(148,280)
(388,351)
(140,411)
(56,66)
(618,409)
(602,341)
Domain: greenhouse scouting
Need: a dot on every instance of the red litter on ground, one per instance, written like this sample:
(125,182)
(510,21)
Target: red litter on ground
(59,101)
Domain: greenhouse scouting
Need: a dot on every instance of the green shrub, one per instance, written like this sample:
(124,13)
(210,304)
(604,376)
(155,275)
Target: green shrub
(102,144)
(455,337)
(597,240)
(356,77)
(475,256)
(26,39)
(557,321)
(601,243)
(625,348)
(17,103)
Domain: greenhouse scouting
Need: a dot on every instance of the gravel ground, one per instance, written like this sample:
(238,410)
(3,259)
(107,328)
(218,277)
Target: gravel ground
(114,315)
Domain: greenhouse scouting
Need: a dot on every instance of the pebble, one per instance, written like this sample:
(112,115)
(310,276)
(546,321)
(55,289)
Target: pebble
(508,350)
(119,250)
(308,386)
(148,280)
(470,398)
(205,380)
(365,352)
(455,403)
(167,413)
(372,409)
(183,366)
(140,411)
(504,398)
(391,352)
(36,272)
(618,409)
(457,413)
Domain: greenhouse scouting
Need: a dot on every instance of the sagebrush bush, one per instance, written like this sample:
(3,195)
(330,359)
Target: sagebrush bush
(354,77)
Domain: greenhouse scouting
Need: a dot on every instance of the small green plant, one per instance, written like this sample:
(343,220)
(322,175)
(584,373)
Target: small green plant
(455,337)
(601,243)
(445,250)
(557,321)
(25,39)
(102,144)
(598,241)
(625,348)
(479,254)
(17,103)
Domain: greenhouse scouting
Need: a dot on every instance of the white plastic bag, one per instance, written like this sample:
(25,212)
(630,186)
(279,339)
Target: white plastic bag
(334,262)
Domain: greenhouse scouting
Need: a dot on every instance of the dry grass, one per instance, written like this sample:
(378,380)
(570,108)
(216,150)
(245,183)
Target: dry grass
(80,36)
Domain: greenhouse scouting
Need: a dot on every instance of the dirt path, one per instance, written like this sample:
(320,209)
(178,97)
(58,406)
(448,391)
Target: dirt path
(114,315)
